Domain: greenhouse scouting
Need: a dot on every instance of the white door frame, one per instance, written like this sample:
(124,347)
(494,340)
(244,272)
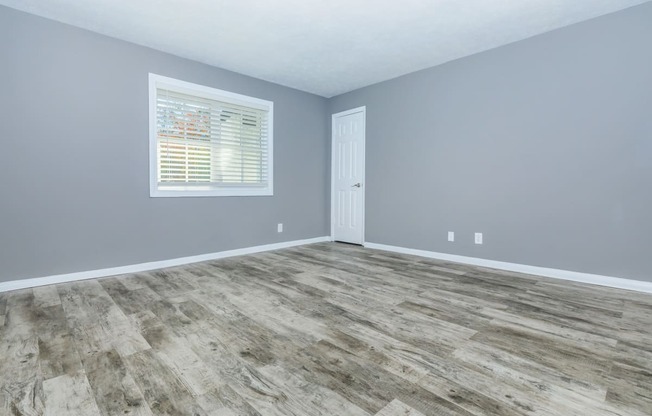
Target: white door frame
(362,110)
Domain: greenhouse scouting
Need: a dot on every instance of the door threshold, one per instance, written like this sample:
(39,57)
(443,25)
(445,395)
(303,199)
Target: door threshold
(347,243)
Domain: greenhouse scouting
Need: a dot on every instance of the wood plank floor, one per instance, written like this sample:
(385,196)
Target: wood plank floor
(325,329)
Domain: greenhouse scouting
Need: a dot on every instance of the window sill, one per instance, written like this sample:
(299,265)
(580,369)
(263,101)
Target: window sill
(192,192)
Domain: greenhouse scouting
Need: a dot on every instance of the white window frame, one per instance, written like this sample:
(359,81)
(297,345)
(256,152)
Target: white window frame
(159,81)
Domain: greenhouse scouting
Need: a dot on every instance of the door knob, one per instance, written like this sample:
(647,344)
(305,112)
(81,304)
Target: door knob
(357,185)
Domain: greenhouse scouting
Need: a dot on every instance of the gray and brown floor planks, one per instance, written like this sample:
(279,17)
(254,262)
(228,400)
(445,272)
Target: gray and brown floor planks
(326,329)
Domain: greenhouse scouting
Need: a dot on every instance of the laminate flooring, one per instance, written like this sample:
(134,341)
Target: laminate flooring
(325,329)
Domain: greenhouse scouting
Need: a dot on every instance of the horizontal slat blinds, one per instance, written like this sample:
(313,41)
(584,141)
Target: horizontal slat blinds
(208,142)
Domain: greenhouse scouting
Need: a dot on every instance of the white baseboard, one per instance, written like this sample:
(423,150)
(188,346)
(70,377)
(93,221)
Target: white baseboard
(136,268)
(595,279)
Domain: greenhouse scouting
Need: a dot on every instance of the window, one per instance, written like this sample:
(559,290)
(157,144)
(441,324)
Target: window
(208,142)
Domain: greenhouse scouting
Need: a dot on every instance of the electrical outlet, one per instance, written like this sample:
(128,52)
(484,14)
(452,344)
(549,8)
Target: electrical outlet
(451,236)
(279,228)
(478,238)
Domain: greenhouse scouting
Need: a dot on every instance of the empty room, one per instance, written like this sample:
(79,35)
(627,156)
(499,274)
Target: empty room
(352,208)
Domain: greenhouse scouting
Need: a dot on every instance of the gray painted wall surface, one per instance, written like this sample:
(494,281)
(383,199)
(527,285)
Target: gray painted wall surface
(544,145)
(74,158)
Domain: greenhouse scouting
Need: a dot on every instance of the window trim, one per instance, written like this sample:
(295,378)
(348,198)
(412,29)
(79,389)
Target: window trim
(156,191)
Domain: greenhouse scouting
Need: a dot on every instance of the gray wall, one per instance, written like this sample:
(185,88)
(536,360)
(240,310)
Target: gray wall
(74,158)
(544,145)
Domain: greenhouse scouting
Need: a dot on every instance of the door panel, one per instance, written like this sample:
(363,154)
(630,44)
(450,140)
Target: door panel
(348,176)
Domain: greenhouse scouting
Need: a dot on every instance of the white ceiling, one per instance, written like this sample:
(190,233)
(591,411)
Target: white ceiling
(326,47)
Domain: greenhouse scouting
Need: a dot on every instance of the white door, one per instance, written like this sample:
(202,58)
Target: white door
(348,185)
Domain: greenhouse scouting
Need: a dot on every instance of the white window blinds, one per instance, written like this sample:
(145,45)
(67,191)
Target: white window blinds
(208,142)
